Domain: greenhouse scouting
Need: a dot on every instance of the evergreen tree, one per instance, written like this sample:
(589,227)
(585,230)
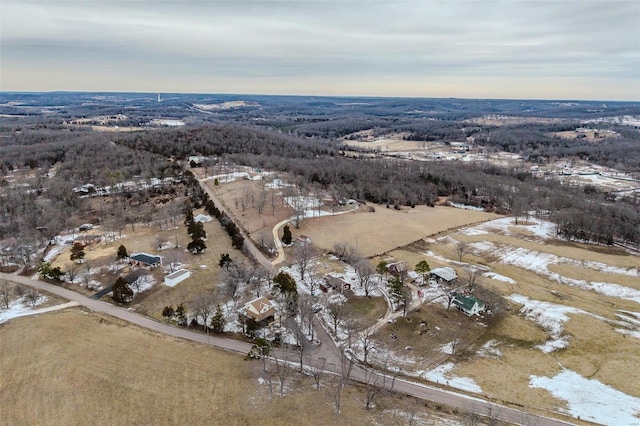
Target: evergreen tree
(188,216)
(181,314)
(198,232)
(77,252)
(121,291)
(237,241)
(225,260)
(422,268)
(286,235)
(285,283)
(218,321)
(168,312)
(395,290)
(122,253)
(196,246)
(49,273)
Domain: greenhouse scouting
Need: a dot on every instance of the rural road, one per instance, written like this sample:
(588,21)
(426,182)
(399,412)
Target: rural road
(422,391)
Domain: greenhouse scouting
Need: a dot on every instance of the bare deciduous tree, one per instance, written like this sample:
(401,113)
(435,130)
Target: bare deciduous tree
(303,253)
(71,269)
(365,271)
(283,371)
(31,296)
(316,372)
(204,307)
(5,294)
(461,249)
(337,311)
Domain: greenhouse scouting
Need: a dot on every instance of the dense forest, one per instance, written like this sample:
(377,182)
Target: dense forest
(301,138)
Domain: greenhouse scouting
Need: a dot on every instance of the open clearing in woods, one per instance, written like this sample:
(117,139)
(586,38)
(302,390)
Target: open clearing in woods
(386,229)
(74,367)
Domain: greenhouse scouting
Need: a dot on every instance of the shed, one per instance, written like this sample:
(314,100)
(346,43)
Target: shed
(445,274)
(203,218)
(175,277)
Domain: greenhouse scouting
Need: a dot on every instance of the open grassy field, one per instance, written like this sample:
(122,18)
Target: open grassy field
(75,368)
(386,229)
(580,297)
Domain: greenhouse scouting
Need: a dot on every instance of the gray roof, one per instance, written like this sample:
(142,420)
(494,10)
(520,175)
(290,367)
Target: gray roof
(446,273)
(177,274)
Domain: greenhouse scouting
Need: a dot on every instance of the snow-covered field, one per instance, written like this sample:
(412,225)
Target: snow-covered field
(539,262)
(591,400)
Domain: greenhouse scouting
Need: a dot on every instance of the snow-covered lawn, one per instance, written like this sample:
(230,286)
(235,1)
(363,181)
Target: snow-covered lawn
(591,400)
(442,374)
(18,308)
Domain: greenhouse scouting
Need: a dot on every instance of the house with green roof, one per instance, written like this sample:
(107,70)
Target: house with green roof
(468,304)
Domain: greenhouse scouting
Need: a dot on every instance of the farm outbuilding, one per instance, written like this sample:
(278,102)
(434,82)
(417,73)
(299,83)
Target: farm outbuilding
(176,277)
(446,274)
(144,259)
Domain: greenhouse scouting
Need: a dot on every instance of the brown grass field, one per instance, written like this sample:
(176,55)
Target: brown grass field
(595,350)
(76,368)
(386,229)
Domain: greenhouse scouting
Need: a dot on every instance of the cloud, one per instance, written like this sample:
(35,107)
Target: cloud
(338,41)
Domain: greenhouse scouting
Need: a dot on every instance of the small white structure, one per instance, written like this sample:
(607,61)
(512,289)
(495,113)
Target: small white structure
(178,276)
(203,218)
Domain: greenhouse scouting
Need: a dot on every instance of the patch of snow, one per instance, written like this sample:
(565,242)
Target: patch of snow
(499,277)
(539,262)
(590,399)
(473,231)
(490,349)
(441,374)
(550,316)
(19,308)
(466,207)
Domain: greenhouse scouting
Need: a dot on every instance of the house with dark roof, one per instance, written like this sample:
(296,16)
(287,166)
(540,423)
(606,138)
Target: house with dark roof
(468,304)
(332,284)
(397,268)
(145,260)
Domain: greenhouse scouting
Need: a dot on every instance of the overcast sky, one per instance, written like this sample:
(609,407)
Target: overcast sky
(562,49)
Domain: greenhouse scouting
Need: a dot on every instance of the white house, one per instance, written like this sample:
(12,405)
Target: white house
(175,277)
(468,304)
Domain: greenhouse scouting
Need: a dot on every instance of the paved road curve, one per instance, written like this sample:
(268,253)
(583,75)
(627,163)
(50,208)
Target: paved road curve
(418,390)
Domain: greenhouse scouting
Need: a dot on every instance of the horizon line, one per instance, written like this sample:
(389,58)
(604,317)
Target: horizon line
(39,92)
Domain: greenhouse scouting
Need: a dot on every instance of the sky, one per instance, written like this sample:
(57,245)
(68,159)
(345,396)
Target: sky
(561,49)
